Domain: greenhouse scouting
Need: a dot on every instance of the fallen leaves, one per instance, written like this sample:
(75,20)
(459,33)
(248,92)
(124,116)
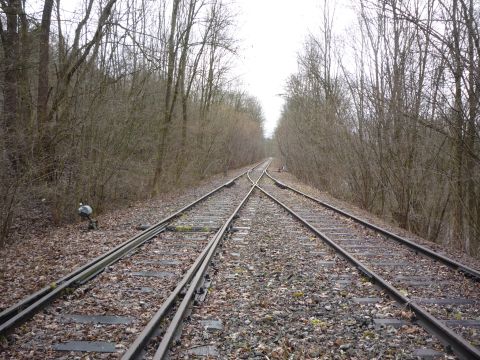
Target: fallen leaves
(298,294)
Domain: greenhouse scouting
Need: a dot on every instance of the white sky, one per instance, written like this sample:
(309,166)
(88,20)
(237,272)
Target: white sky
(272,33)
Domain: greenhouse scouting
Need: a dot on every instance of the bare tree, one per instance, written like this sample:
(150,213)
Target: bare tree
(408,125)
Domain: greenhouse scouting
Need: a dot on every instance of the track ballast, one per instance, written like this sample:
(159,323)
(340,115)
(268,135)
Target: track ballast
(258,270)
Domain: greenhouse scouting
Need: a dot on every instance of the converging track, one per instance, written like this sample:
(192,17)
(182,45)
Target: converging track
(256,270)
(105,312)
(443,294)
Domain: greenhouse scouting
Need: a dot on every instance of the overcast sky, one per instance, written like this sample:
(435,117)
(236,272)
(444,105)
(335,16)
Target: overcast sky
(272,33)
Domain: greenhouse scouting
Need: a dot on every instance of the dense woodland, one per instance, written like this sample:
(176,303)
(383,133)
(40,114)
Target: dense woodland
(122,99)
(118,101)
(387,115)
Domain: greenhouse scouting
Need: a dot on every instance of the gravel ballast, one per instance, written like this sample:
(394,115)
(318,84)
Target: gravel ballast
(107,313)
(275,289)
(291,180)
(36,261)
(444,292)
(278,292)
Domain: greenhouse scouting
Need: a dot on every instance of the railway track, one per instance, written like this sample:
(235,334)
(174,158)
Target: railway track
(321,283)
(258,270)
(443,294)
(101,306)
(279,292)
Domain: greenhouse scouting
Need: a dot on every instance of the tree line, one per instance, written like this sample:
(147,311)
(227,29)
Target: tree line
(387,115)
(120,100)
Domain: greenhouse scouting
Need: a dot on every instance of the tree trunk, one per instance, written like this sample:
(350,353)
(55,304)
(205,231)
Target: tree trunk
(471,236)
(458,130)
(43,73)
(168,104)
(46,147)
(10,41)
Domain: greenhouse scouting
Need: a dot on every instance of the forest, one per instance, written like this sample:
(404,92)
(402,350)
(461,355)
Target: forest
(126,99)
(387,115)
(117,102)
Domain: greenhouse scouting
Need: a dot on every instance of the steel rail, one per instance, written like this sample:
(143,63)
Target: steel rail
(167,338)
(149,330)
(20,312)
(458,344)
(466,270)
